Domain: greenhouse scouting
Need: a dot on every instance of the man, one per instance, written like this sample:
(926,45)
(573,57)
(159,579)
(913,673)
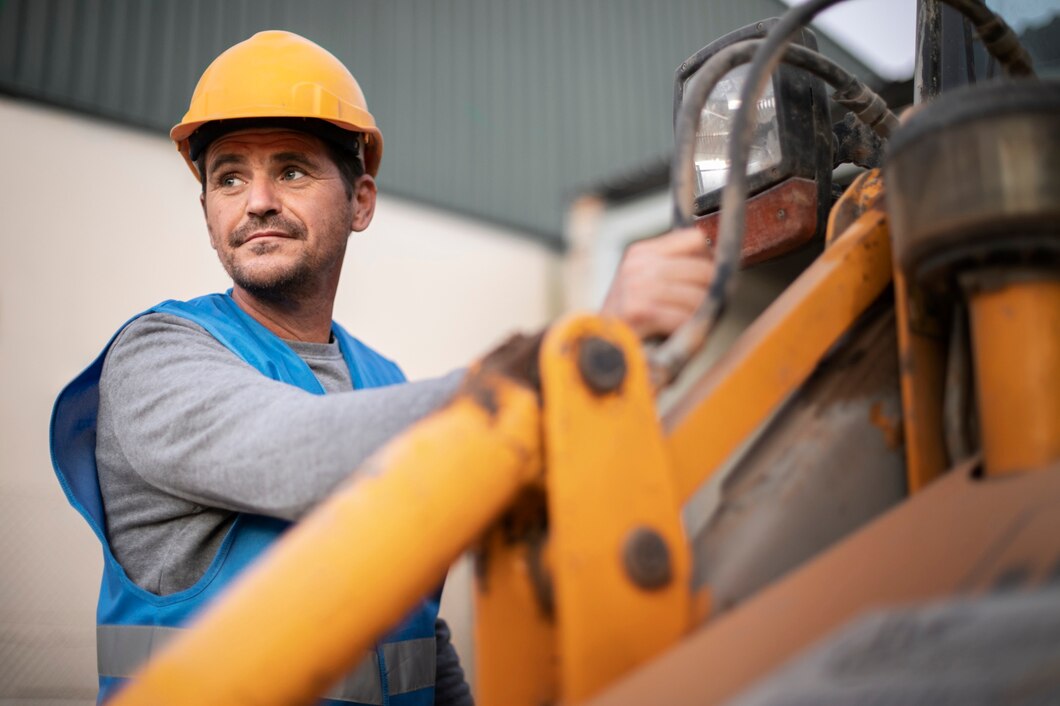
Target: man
(206,427)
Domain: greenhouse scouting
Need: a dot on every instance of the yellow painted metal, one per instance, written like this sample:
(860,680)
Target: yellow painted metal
(922,365)
(1016,342)
(778,351)
(515,638)
(305,614)
(863,194)
(960,536)
(607,476)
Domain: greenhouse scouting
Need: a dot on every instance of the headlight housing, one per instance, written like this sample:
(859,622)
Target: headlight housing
(792,133)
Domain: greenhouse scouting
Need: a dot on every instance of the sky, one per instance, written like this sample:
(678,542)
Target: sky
(882,33)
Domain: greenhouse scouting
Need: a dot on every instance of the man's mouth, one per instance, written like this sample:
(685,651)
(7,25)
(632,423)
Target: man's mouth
(266,234)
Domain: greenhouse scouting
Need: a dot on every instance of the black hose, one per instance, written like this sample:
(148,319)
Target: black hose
(673,354)
(850,92)
(669,358)
(997,37)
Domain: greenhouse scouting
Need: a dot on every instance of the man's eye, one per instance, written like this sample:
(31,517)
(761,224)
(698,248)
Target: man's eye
(229,180)
(292,173)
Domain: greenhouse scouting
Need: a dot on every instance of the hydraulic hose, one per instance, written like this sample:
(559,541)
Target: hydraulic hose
(997,37)
(850,92)
(670,358)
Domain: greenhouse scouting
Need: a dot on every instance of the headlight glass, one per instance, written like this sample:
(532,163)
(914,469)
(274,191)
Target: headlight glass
(713,133)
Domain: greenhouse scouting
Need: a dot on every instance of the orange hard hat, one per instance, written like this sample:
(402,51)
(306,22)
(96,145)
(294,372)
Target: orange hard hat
(280,75)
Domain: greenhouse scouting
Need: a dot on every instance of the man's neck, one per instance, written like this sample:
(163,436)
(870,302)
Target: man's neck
(294,319)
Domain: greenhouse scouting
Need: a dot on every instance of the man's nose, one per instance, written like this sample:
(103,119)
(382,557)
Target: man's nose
(263,198)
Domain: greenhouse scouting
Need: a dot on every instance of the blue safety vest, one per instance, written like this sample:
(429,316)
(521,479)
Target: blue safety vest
(132,623)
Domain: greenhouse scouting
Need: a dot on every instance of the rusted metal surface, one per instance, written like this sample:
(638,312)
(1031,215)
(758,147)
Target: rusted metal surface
(961,536)
(857,143)
(831,461)
(777,352)
(922,365)
(888,421)
(927,73)
(515,360)
(779,220)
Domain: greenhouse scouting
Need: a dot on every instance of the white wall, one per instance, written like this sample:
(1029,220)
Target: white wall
(100,222)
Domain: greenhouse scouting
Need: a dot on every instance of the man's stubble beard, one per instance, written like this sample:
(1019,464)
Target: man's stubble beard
(287,284)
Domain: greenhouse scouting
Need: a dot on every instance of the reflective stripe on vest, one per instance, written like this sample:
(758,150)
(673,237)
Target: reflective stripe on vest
(122,649)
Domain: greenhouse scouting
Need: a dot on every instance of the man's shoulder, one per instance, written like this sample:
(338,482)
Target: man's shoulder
(155,340)
(168,316)
(170,322)
(159,329)
(162,359)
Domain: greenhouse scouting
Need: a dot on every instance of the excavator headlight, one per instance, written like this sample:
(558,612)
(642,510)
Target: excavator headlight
(792,133)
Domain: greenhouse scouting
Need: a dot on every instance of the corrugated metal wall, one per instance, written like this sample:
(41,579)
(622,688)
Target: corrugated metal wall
(498,109)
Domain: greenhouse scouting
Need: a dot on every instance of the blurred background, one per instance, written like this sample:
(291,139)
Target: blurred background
(526,145)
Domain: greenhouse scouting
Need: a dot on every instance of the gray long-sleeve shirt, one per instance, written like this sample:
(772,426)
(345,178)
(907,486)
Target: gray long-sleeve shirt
(189,435)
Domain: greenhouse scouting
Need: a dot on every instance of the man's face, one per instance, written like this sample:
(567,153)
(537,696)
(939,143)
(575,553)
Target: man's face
(277,211)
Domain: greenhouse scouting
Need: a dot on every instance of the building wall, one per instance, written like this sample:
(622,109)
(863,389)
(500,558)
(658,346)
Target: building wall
(100,222)
(497,108)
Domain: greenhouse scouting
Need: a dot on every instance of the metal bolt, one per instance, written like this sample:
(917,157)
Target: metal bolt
(602,364)
(647,559)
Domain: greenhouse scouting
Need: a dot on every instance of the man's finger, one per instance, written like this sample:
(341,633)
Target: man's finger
(678,295)
(686,270)
(683,241)
(663,322)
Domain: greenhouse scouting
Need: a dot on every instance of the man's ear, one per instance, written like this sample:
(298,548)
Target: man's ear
(364,192)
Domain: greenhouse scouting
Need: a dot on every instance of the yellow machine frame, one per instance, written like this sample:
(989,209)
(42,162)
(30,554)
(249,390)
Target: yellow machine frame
(576,489)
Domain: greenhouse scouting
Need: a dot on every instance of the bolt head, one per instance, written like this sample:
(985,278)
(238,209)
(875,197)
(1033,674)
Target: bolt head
(602,364)
(647,559)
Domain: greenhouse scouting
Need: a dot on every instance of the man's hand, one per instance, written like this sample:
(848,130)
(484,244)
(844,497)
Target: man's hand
(660,282)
